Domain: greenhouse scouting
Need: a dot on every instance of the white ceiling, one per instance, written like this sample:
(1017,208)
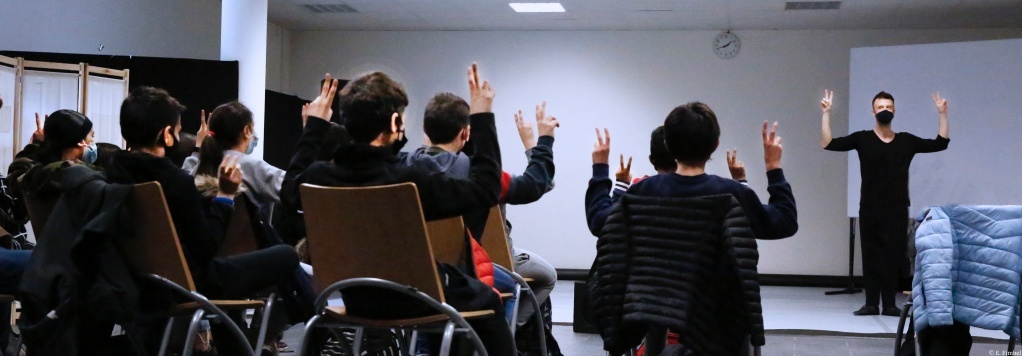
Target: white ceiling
(647,15)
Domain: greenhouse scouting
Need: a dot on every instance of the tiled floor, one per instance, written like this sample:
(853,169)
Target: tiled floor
(799,321)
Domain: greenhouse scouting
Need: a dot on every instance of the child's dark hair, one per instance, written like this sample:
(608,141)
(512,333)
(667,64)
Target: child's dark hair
(334,137)
(145,113)
(227,125)
(446,115)
(368,102)
(105,154)
(659,156)
(184,148)
(691,133)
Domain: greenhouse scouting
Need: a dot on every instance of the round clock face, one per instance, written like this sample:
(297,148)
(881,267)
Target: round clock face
(726,45)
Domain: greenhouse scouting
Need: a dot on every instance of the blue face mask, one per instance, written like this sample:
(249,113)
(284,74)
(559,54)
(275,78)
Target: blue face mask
(91,154)
(252,144)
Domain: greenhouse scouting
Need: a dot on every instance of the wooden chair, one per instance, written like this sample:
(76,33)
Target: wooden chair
(239,237)
(39,210)
(376,236)
(154,251)
(495,242)
(447,239)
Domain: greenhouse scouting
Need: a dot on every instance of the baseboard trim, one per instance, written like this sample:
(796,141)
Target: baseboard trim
(786,280)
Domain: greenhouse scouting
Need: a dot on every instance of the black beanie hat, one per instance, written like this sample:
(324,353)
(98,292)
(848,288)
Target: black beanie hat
(66,128)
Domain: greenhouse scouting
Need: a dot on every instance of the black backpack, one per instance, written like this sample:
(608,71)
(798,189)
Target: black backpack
(13,217)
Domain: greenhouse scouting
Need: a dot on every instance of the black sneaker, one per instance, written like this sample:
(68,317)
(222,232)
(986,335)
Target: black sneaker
(891,311)
(867,310)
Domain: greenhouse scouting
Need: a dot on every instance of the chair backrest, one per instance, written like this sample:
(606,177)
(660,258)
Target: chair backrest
(447,238)
(495,239)
(5,238)
(239,237)
(153,247)
(374,232)
(39,210)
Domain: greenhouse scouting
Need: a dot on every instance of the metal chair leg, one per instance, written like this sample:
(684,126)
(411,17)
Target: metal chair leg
(204,304)
(537,316)
(265,325)
(518,306)
(413,342)
(898,335)
(193,328)
(166,337)
(356,345)
(445,346)
(303,344)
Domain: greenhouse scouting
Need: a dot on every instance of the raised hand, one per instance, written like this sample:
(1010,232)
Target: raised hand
(305,114)
(940,102)
(525,131)
(828,100)
(624,174)
(39,135)
(321,106)
(203,129)
(771,147)
(545,123)
(480,94)
(601,149)
(230,176)
(736,167)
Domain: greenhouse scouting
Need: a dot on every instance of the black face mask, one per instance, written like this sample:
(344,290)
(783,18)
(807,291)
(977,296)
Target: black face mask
(885,117)
(400,143)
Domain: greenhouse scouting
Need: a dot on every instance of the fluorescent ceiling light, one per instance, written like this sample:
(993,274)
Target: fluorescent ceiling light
(537,7)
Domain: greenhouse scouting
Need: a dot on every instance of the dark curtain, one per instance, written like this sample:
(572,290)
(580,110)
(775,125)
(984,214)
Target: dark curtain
(284,124)
(283,127)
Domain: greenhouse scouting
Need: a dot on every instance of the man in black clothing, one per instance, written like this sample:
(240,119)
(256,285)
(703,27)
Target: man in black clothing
(884,159)
(373,112)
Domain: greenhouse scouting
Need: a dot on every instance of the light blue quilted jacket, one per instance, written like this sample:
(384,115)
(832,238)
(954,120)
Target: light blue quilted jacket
(968,265)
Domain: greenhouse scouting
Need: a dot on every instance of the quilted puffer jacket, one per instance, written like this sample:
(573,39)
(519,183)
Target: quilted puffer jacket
(688,264)
(967,267)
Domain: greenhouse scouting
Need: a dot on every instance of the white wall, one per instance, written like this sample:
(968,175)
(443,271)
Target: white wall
(178,29)
(278,58)
(629,81)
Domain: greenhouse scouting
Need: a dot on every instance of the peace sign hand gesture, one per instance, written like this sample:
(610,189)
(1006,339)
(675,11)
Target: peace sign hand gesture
(736,167)
(203,129)
(624,174)
(39,135)
(940,102)
(321,106)
(771,147)
(601,149)
(480,93)
(828,100)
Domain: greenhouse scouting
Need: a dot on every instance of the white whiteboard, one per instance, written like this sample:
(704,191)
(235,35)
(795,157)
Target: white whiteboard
(44,93)
(104,107)
(982,82)
(8,80)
